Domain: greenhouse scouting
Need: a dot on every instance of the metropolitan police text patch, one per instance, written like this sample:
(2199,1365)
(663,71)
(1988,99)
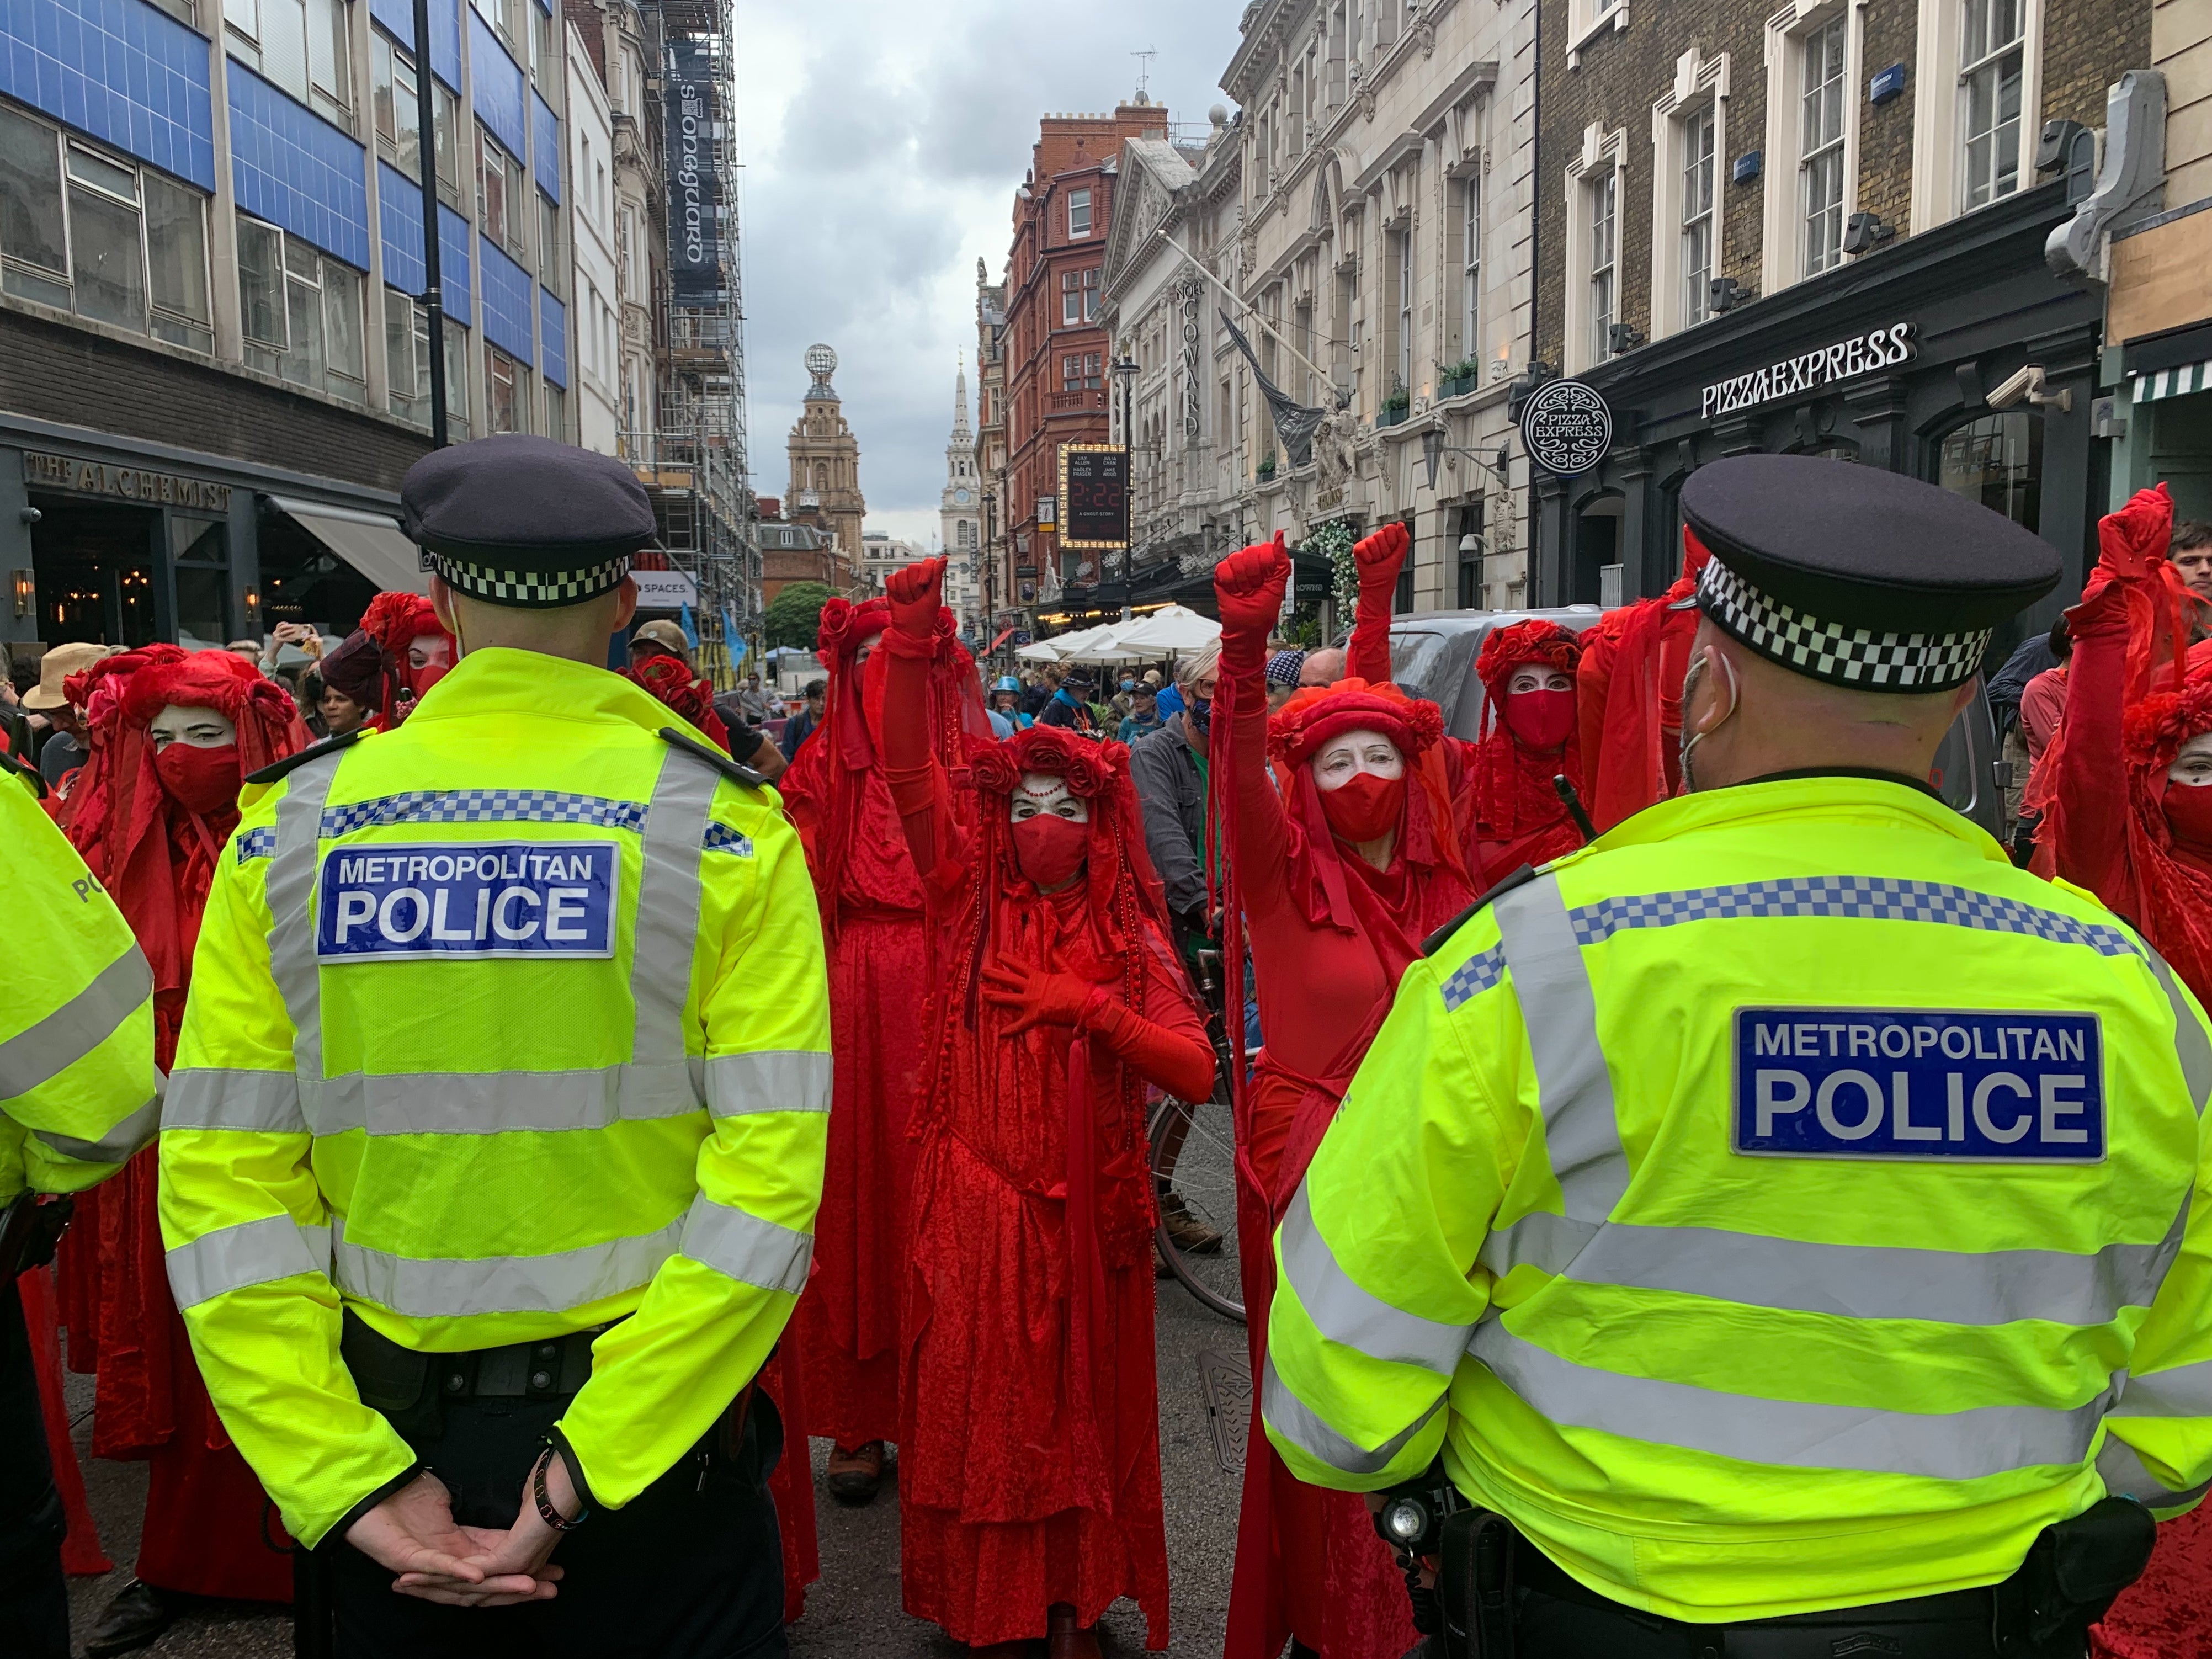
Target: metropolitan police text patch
(475,899)
(1919,1083)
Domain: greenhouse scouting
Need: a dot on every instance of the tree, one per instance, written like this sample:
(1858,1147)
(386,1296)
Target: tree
(794,616)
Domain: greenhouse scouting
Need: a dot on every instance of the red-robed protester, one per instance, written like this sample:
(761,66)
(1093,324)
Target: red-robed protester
(1338,874)
(411,653)
(177,732)
(2128,814)
(781,1378)
(1511,813)
(1029,1474)
(847,1325)
(1629,694)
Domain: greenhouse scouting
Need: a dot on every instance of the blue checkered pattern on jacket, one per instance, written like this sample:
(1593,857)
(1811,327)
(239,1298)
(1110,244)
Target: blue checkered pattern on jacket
(484,807)
(118,70)
(1872,898)
(256,844)
(1473,976)
(720,838)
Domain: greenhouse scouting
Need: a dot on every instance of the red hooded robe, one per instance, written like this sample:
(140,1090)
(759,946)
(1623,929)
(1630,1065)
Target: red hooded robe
(1511,813)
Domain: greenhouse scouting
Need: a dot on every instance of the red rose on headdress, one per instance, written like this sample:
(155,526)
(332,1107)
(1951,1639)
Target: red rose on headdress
(1319,713)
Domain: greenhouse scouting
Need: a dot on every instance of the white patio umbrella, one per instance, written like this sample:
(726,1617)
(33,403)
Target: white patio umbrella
(1172,628)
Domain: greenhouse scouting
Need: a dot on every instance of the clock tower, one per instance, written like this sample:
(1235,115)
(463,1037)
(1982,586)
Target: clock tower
(960,515)
(825,465)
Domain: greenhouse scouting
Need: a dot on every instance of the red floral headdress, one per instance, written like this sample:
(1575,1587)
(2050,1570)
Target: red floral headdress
(1313,717)
(674,684)
(1533,643)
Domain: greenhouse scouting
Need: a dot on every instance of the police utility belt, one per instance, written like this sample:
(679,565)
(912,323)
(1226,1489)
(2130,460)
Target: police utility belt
(412,1388)
(1488,1576)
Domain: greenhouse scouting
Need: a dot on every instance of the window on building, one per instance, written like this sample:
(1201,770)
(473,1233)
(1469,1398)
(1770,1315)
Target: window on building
(1071,373)
(1091,377)
(1071,298)
(300,45)
(1091,294)
(1402,275)
(394,94)
(1697,244)
(1470,266)
(1820,164)
(407,356)
(1998,460)
(552,256)
(545,33)
(446,114)
(557,413)
(506,398)
(1603,197)
(1991,54)
(457,381)
(301,313)
(1079,214)
(501,213)
(95,234)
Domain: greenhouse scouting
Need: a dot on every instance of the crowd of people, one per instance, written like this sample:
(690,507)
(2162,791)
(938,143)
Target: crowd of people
(1014,883)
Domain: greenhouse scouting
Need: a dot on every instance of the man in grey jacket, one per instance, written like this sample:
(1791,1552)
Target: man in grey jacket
(1168,769)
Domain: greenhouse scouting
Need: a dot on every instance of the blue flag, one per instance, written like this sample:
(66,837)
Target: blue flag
(691,628)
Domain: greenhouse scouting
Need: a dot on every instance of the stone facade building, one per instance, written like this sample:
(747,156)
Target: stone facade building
(1818,229)
(825,466)
(1388,173)
(1003,594)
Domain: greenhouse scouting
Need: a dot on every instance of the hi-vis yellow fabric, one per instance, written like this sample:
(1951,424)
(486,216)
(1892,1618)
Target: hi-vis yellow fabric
(78,1090)
(1724,1343)
(507,1024)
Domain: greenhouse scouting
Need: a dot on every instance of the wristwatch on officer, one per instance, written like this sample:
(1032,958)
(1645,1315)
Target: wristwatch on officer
(548,1512)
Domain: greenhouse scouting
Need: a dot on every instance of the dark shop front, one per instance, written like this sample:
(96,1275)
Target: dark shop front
(1916,357)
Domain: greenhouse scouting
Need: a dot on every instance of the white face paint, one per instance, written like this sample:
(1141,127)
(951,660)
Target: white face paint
(430,651)
(1343,759)
(1537,680)
(867,648)
(1040,792)
(193,726)
(2193,765)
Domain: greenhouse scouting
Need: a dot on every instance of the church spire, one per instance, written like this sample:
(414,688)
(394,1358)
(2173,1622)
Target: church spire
(961,433)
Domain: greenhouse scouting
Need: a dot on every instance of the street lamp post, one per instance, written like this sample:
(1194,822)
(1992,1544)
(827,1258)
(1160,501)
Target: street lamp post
(1125,370)
(426,163)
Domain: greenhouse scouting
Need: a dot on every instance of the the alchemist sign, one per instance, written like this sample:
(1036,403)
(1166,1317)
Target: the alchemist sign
(1567,427)
(1828,365)
(695,255)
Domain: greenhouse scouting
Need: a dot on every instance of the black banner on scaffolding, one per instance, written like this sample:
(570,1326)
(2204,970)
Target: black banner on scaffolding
(695,226)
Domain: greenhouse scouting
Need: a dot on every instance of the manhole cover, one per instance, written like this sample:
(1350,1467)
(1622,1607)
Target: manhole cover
(1226,1381)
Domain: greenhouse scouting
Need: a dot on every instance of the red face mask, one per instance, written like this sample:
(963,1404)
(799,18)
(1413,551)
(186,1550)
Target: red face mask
(1050,849)
(1365,807)
(1540,719)
(2189,814)
(420,680)
(202,780)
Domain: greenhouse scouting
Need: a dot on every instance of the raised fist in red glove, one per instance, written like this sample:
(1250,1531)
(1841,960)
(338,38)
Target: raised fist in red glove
(1380,555)
(2132,543)
(913,592)
(1249,584)
(1033,998)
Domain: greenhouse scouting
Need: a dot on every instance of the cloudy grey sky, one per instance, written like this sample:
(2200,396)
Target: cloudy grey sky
(884,140)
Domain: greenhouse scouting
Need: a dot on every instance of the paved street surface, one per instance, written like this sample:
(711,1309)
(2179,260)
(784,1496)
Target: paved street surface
(855,1608)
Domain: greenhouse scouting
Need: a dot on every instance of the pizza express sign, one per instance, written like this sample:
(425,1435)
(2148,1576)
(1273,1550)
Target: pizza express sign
(1846,360)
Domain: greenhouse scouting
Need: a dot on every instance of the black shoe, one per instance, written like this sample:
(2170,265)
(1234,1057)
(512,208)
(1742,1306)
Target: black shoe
(855,1477)
(134,1619)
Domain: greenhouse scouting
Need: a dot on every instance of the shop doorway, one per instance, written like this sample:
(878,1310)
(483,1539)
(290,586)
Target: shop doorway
(95,567)
(1597,550)
(2180,450)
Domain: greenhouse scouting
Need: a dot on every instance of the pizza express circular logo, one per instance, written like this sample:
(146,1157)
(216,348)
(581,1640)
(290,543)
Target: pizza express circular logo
(1567,427)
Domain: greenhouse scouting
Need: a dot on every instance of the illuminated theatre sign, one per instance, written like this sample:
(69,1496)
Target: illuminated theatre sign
(1829,365)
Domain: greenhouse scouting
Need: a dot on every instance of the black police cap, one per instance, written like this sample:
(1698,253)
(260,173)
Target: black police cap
(518,521)
(1857,576)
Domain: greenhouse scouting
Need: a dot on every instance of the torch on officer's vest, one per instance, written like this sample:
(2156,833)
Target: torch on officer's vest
(1779,1210)
(508,1028)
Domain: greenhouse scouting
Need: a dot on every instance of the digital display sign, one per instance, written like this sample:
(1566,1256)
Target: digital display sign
(1094,494)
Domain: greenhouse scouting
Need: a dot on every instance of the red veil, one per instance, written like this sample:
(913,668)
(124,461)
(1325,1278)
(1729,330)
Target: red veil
(2174,893)
(1630,690)
(1511,797)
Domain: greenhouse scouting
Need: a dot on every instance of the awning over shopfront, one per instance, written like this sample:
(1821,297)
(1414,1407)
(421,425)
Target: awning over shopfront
(2172,382)
(372,543)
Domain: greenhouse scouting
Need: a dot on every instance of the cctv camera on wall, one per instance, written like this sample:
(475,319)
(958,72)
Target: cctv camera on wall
(2028,386)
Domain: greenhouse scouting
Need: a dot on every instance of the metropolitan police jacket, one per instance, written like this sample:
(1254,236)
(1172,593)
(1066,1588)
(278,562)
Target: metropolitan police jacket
(1781,1204)
(507,1024)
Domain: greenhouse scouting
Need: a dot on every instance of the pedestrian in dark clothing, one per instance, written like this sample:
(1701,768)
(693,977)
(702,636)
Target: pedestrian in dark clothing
(796,728)
(1169,769)
(1142,719)
(1070,706)
(2008,684)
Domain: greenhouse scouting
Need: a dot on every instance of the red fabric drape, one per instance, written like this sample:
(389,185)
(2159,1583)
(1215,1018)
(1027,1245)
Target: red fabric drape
(81,1556)
(1510,811)
(1629,692)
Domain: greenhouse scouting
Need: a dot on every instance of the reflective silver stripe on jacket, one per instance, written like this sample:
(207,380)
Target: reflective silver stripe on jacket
(747,1248)
(1291,1417)
(249,1253)
(40,1053)
(1962,1445)
(2177,1391)
(289,885)
(117,1145)
(454,1288)
(1344,1313)
(496,1103)
(215,1097)
(2125,1476)
(668,927)
(768,1081)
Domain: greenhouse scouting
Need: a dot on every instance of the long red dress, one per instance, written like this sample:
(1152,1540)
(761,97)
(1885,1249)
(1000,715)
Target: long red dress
(1330,936)
(1628,698)
(2105,826)
(847,1324)
(210,1530)
(1030,1468)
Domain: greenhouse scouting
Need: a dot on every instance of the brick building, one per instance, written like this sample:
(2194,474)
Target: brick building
(1817,229)
(1056,349)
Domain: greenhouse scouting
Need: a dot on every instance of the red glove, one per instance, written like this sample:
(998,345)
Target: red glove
(1380,556)
(1250,587)
(1012,986)
(2132,542)
(913,592)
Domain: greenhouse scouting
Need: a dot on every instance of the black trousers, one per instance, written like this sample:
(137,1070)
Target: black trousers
(692,1569)
(33,1596)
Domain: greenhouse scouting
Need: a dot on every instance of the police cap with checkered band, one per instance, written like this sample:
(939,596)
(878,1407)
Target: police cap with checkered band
(1856,576)
(518,520)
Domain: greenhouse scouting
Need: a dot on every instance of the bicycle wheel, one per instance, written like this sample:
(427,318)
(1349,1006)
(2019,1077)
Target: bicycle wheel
(1194,1179)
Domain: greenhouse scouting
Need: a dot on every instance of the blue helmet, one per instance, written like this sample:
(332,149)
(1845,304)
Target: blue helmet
(1006,682)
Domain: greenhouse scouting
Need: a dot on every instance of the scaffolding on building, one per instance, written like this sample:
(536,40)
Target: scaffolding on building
(693,459)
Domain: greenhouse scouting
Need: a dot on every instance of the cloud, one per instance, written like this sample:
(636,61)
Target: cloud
(884,141)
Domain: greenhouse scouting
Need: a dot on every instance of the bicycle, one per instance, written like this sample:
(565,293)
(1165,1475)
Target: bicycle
(1193,1162)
